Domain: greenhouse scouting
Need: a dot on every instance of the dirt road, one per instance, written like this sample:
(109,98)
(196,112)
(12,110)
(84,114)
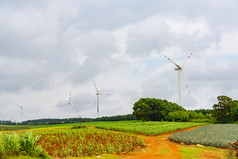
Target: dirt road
(158,147)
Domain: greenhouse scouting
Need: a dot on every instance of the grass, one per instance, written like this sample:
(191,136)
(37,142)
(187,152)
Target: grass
(218,135)
(193,152)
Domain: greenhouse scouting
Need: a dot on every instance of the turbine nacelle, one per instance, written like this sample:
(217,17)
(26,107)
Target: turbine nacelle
(177,68)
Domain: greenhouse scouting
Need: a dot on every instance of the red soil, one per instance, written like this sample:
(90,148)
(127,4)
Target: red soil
(158,147)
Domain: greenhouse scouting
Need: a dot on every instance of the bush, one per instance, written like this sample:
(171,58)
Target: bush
(12,144)
(78,126)
(235,147)
(28,145)
(15,145)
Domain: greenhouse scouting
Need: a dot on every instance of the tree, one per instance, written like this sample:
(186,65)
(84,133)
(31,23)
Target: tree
(154,109)
(142,111)
(223,110)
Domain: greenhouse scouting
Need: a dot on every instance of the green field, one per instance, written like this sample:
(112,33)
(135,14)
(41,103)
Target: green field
(63,141)
(218,135)
(146,128)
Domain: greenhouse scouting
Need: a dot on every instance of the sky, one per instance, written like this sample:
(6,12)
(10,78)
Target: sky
(49,48)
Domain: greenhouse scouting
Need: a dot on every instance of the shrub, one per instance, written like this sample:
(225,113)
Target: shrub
(12,144)
(78,126)
(235,147)
(28,145)
(15,145)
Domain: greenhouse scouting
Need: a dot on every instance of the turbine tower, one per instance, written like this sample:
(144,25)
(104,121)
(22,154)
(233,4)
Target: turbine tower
(180,71)
(98,94)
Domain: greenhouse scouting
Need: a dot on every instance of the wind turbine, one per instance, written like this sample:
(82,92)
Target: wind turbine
(69,103)
(98,94)
(21,107)
(179,68)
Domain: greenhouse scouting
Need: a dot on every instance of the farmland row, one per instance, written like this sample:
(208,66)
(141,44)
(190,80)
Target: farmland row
(146,128)
(218,135)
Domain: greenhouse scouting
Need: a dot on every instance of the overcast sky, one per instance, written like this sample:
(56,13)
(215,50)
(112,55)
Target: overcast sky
(49,48)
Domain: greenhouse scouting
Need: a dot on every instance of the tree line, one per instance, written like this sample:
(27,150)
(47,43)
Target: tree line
(70,120)
(151,109)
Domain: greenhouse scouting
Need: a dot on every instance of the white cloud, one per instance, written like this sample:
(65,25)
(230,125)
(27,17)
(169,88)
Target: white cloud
(49,48)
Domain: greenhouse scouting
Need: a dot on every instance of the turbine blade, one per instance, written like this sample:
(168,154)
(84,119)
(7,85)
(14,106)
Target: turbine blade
(185,82)
(19,106)
(107,94)
(172,62)
(186,60)
(95,86)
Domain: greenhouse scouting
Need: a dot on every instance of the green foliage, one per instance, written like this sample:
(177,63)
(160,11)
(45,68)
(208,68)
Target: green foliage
(15,145)
(28,146)
(226,109)
(151,109)
(204,111)
(185,116)
(12,144)
(78,126)
(218,135)
(1,146)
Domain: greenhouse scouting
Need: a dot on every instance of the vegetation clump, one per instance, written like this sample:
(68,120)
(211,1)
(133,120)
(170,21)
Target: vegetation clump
(226,110)
(235,147)
(15,145)
(78,126)
(151,109)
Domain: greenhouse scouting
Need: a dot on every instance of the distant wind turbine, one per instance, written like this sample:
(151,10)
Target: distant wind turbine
(98,94)
(21,107)
(70,104)
(68,101)
(180,71)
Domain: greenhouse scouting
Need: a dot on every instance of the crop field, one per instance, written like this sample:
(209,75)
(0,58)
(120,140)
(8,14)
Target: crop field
(218,135)
(78,142)
(13,127)
(146,128)
(87,142)
(62,141)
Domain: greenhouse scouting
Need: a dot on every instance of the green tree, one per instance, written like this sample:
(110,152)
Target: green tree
(154,109)
(142,111)
(234,111)
(223,110)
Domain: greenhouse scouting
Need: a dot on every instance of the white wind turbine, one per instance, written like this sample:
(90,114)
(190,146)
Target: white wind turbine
(69,103)
(180,71)
(98,94)
(21,107)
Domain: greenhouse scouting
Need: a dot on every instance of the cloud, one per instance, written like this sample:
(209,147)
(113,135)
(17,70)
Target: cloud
(51,48)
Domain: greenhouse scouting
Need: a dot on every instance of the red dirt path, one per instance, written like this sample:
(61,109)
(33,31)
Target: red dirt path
(158,147)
